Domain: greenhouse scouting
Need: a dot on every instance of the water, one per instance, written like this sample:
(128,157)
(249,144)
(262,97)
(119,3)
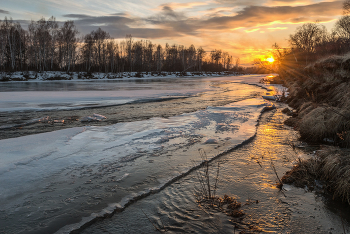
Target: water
(60,180)
(245,173)
(65,95)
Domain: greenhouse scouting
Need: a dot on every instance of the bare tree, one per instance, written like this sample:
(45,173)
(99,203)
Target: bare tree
(68,42)
(342,27)
(346,7)
(200,54)
(46,46)
(307,37)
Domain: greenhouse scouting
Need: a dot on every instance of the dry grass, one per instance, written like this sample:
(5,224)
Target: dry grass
(331,165)
(321,95)
(335,169)
(305,109)
(312,125)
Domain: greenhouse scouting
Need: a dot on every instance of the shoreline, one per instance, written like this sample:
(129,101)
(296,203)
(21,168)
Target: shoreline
(319,95)
(33,76)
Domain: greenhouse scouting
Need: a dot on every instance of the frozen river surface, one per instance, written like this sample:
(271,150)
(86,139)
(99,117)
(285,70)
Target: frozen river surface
(57,181)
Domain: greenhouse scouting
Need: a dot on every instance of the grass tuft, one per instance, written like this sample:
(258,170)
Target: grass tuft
(331,165)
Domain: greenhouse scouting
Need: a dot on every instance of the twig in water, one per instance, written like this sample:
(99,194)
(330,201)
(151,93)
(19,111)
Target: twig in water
(207,192)
(274,169)
(160,218)
(216,179)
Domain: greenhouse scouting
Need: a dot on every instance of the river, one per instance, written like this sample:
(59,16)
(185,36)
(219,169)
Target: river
(59,173)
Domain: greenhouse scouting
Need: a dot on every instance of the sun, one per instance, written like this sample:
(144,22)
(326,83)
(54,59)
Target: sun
(270,60)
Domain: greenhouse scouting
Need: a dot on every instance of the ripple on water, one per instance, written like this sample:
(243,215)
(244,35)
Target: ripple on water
(245,173)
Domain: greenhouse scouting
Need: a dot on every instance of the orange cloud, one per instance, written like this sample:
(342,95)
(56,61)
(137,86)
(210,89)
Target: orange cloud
(272,3)
(252,30)
(277,28)
(256,16)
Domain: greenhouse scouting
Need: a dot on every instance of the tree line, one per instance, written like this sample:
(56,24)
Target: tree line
(312,41)
(46,46)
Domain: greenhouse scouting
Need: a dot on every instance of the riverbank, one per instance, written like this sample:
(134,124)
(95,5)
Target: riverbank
(320,95)
(59,75)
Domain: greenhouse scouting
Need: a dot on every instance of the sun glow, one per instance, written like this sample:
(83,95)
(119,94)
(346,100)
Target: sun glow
(270,60)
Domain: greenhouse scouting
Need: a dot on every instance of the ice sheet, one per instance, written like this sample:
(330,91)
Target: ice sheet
(150,153)
(73,173)
(19,96)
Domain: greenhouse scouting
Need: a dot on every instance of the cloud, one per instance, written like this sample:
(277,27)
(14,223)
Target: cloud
(171,23)
(177,5)
(78,16)
(252,30)
(118,26)
(277,28)
(288,2)
(4,12)
(248,17)
(239,2)
(219,11)
(254,16)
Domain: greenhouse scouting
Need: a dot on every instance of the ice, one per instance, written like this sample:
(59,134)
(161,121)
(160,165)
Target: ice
(269,97)
(105,94)
(94,117)
(54,95)
(29,158)
(64,171)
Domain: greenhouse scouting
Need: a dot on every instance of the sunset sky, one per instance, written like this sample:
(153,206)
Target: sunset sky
(244,28)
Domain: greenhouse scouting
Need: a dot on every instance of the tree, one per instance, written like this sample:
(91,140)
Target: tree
(159,58)
(342,27)
(200,54)
(216,56)
(307,37)
(129,42)
(68,44)
(346,7)
(46,46)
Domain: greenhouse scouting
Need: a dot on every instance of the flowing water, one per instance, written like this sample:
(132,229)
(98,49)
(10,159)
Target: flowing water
(75,174)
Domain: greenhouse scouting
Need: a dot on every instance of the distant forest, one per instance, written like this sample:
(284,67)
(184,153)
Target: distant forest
(46,46)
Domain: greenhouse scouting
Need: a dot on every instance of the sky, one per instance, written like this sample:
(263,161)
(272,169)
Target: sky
(245,28)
